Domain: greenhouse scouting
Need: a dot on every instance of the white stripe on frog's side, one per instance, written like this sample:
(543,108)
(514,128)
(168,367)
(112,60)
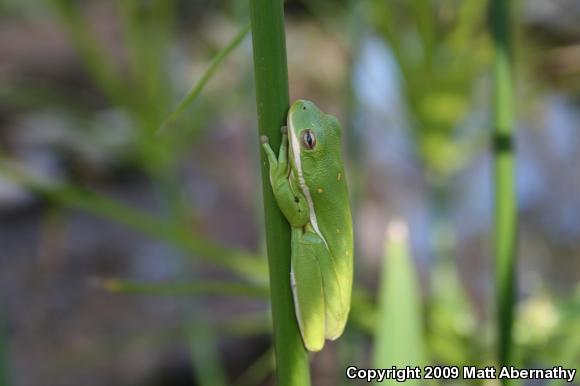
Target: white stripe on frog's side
(302,182)
(298,162)
(295,297)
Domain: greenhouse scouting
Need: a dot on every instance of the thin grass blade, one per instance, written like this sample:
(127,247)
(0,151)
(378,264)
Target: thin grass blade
(197,88)
(229,288)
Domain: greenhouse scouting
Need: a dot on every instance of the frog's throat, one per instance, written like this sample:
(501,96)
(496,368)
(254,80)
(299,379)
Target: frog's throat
(302,182)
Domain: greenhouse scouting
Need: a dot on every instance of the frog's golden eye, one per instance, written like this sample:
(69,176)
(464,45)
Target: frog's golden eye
(308,139)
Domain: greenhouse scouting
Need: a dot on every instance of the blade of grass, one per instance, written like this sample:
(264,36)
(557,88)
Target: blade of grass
(505,200)
(235,260)
(272,101)
(147,28)
(258,371)
(256,323)
(197,88)
(241,262)
(399,337)
(120,286)
(205,358)
(94,57)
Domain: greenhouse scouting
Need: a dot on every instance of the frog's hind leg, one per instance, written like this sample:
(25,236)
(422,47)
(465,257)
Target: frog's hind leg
(336,307)
(317,290)
(307,290)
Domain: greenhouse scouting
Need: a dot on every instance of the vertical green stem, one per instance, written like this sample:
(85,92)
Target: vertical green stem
(272,99)
(505,201)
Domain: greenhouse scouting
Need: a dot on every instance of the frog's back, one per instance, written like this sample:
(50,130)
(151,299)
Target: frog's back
(316,137)
(329,193)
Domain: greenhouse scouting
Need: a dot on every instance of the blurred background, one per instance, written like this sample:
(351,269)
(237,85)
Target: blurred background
(131,255)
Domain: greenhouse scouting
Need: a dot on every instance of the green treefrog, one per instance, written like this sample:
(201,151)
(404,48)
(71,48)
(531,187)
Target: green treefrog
(309,185)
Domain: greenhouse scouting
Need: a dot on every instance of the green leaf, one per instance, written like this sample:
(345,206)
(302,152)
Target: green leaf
(399,337)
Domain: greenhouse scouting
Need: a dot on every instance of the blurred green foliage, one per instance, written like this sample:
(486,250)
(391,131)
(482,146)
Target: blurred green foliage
(399,339)
(442,49)
(426,37)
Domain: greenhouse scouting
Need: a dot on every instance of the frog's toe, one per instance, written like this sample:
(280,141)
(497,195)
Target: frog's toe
(263,139)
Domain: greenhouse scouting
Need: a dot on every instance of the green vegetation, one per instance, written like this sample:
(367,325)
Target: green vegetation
(423,306)
(399,337)
(505,201)
(272,100)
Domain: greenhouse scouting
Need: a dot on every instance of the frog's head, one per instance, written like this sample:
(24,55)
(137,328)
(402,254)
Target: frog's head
(314,137)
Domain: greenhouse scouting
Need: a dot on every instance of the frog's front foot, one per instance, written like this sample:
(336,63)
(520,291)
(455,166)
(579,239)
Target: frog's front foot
(263,139)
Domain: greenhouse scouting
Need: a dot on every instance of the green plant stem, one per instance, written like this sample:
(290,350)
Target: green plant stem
(505,201)
(272,99)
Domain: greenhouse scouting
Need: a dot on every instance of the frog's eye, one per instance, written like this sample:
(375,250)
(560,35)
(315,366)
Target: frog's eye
(308,139)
